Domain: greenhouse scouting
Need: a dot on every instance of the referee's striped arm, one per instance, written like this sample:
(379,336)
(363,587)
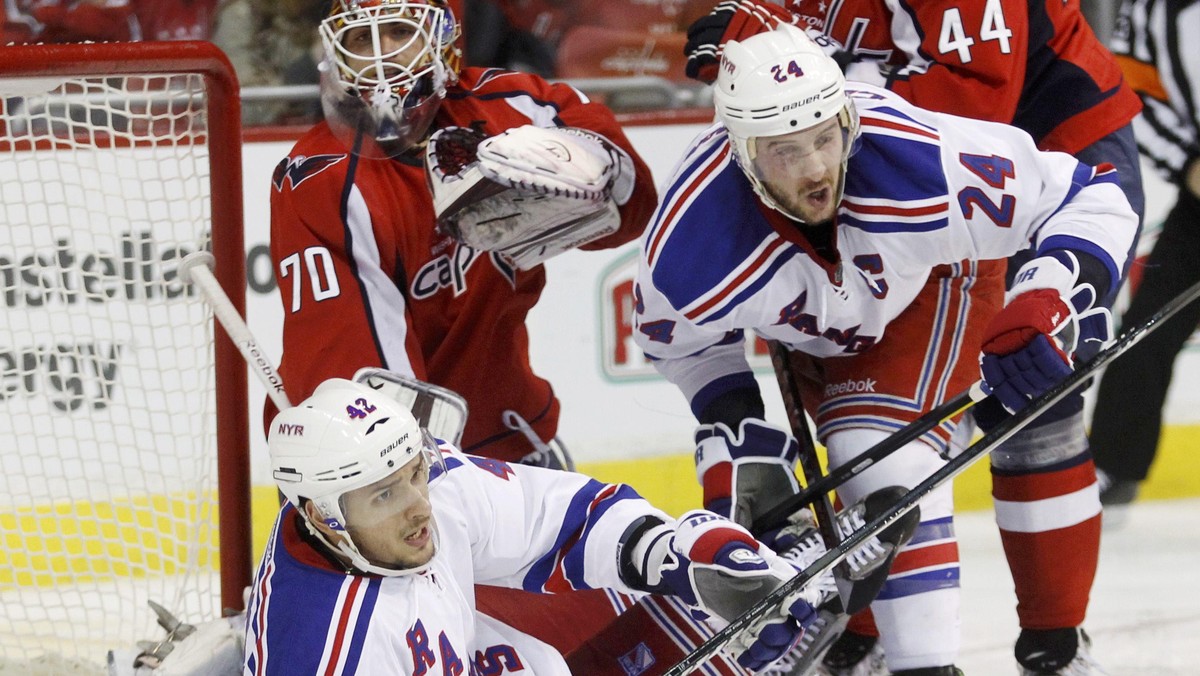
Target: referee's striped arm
(1154,43)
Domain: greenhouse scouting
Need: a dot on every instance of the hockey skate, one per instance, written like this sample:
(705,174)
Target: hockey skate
(1056,652)
(850,587)
(854,655)
(866,569)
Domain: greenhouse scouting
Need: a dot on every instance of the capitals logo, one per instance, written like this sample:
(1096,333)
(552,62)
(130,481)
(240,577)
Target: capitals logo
(298,169)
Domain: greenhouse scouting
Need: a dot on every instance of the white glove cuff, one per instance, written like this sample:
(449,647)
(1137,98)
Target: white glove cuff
(712,451)
(1045,272)
(650,552)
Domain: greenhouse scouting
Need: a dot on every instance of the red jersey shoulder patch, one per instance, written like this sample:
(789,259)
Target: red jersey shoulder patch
(298,169)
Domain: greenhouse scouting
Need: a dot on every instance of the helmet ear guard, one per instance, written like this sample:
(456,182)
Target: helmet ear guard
(777,83)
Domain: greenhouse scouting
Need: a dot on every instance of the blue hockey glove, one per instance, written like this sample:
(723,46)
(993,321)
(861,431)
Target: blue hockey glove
(745,474)
(718,569)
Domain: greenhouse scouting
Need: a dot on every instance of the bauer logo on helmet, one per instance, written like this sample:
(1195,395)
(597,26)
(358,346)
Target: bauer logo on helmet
(800,104)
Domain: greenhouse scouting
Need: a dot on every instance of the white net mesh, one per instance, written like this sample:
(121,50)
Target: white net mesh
(107,423)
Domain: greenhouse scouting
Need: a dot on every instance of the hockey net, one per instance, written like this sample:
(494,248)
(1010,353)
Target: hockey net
(117,392)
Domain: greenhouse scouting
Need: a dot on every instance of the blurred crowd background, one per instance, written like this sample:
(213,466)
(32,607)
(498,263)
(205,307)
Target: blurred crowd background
(627,53)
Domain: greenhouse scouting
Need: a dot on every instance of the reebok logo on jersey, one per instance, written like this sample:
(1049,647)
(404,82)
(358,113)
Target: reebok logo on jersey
(850,387)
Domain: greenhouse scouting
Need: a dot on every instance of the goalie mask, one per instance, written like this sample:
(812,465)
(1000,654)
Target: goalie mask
(790,122)
(386,69)
(365,465)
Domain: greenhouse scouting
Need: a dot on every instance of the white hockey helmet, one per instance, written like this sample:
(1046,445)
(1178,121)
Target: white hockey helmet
(777,83)
(387,65)
(344,437)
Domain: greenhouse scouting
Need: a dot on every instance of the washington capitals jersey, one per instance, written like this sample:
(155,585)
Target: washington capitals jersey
(497,524)
(922,189)
(1033,64)
(367,280)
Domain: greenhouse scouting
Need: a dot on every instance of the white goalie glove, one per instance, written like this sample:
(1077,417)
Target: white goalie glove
(529,193)
(212,648)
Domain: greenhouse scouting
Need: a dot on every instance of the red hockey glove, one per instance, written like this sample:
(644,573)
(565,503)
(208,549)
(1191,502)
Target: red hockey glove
(1047,323)
(729,20)
(740,19)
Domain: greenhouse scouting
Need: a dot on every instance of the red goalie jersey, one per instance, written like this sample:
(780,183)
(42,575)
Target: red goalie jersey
(965,57)
(366,279)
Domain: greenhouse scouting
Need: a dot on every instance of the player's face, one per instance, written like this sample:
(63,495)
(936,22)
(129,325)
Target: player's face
(399,43)
(801,170)
(391,521)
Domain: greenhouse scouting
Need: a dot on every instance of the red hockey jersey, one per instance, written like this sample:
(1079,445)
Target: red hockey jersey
(967,58)
(366,280)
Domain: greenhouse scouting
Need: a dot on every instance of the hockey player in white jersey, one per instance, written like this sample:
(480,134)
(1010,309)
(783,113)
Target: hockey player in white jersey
(372,564)
(861,231)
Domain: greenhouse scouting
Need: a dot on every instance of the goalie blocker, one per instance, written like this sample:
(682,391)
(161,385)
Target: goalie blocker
(528,193)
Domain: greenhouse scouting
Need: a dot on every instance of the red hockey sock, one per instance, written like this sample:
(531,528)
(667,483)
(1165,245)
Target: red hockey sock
(863,624)
(1050,527)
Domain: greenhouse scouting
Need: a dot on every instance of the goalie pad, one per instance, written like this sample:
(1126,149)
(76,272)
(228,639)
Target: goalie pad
(529,193)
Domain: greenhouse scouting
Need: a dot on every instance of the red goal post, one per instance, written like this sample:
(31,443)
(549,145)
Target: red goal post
(123,418)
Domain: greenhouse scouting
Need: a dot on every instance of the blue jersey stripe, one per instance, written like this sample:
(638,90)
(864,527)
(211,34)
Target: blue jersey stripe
(574,562)
(891,227)
(727,383)
(702,155)
(760,279)
(1070,242)
(896,170)
(703,250)
(920,583)
(941,528)
(358,639)
(576,522)
(896,113)
(1080,178)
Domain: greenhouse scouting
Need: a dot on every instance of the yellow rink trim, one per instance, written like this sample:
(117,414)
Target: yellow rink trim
(78,542)
(670,481)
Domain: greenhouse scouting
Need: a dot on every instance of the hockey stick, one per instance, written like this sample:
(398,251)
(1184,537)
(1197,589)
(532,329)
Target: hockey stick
(955,466)
(441,411)
(778,515)
(197,269)
(810,465)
